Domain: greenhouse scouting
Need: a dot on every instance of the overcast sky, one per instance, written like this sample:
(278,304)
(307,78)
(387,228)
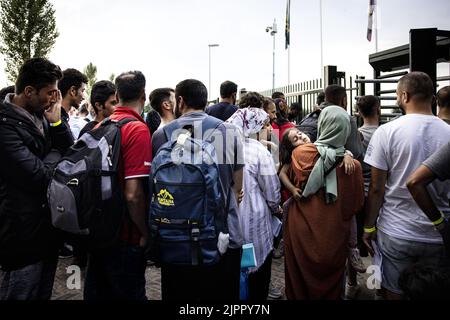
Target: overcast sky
(168,40)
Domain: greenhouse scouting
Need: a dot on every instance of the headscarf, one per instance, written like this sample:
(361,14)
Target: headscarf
(333,130)
(249,120)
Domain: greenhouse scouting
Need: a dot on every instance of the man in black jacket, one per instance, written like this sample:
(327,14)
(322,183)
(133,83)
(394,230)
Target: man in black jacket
(30,127)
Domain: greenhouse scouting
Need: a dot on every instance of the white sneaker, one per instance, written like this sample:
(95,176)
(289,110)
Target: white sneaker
(356,261)
(351,291)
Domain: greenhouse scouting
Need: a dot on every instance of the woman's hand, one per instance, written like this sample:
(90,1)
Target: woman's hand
(296,193)
(348,164)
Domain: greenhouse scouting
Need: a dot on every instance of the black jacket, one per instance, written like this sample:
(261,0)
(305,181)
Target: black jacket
(26,233)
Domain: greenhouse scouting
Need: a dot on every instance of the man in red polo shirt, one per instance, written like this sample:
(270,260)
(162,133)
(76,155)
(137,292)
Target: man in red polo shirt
(119,272)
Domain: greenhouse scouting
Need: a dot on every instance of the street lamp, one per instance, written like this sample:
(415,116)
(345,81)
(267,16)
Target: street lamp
(273,32)
(209,88)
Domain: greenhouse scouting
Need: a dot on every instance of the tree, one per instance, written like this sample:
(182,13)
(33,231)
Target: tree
(112,77)
(91,73)
(27,30)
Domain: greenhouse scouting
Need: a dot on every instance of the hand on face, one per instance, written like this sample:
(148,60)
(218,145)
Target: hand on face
(53,112)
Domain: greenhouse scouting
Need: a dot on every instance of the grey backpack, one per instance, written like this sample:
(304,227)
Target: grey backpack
(84,195)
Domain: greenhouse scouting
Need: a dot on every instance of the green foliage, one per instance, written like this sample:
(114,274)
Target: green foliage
(91,73)
(147,108)
(112,77)
(27,30)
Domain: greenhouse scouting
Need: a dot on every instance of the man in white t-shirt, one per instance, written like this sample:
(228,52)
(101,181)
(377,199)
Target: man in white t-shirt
(405,234)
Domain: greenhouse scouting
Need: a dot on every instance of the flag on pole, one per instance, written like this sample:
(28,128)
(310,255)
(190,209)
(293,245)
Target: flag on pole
(372,5)
(288,24)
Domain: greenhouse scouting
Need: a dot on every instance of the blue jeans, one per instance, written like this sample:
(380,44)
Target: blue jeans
(33,282)
(116,274)
(398,254)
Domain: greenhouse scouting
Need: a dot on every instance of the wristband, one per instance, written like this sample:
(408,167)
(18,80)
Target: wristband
(370,230)
(57,123)
(438,221)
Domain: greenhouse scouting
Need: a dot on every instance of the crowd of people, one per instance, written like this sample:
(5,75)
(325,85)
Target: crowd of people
(338,191)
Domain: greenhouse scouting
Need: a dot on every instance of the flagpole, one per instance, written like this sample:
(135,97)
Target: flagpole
(376,25)
(289,65)
(287,33)
(321,42)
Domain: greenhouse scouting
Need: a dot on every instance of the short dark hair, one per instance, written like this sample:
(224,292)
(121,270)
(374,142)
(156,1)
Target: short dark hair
(277,95)
(227,89)
(130,85)
(100,93)
(418,84)
(71,77)
(5,91)
(443,97)
(153,121)
(158,96)
(320,98)
(194,93)
(252,99)
(368,105)
(37,73)
(335,93)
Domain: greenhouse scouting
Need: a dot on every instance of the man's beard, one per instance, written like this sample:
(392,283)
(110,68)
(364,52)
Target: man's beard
(177,112)
(402,108)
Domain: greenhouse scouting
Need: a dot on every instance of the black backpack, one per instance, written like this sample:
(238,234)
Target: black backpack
(85,197)
(308,125)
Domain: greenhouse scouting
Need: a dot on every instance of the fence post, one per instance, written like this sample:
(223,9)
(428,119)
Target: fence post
(330,75)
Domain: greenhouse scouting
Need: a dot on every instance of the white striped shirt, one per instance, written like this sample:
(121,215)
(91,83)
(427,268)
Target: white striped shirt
(261,196)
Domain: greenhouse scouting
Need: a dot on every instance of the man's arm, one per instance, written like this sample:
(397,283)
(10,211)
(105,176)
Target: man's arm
(375,200)
(238,177)
(354,143)
(417,185)
(136,200)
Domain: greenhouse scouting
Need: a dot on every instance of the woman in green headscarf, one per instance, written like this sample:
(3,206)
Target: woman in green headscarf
(318,226)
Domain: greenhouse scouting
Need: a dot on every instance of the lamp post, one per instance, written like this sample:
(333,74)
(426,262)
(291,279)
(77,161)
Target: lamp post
(273,31)
(209,87)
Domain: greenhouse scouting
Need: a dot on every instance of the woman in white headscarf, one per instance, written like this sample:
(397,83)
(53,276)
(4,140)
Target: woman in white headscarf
(318,225)
(261,197)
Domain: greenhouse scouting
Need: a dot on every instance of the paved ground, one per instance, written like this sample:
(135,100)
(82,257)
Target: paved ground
(61,291)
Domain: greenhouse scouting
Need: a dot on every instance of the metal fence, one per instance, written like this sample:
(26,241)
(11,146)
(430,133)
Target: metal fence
(305,93)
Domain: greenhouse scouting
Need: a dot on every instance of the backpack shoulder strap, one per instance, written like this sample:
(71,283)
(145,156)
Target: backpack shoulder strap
(123,122)
(208,123)
(334,166)
(119,123)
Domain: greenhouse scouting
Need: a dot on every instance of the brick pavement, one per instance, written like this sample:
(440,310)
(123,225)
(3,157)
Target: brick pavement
(153,286)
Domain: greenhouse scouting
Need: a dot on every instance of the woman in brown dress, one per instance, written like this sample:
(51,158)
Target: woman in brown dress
(318,225)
